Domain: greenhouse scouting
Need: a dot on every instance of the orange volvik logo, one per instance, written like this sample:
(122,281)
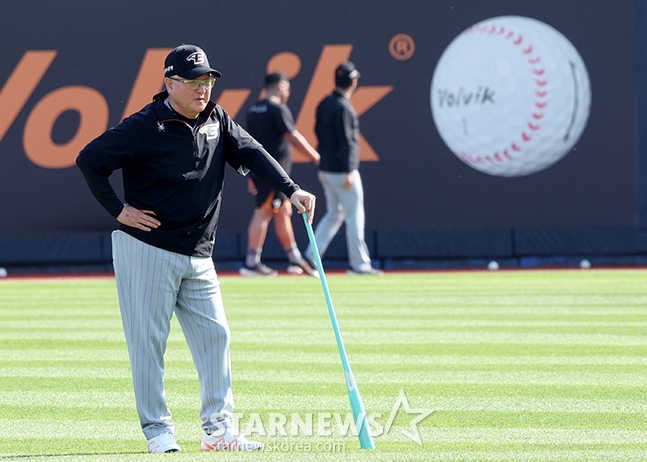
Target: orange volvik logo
(92,106)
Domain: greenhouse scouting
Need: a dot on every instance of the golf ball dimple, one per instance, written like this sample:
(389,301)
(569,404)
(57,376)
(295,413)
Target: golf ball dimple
(510,96)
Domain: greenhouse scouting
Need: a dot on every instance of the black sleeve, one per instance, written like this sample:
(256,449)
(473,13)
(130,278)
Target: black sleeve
(101,188)
(268,169)
(108,152)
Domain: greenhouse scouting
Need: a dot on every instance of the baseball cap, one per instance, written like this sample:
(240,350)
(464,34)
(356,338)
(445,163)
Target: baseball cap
(189,62)
(344,73)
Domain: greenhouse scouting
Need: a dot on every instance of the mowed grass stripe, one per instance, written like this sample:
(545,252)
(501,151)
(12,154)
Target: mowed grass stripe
(498,351)
(35,357)
(517,365)
(507,404)
(504,376)
(396,337)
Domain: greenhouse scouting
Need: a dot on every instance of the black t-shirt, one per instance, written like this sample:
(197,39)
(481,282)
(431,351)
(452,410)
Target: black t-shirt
(268,122)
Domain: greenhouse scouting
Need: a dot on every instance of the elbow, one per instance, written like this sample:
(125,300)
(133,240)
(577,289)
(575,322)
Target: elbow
(80,162)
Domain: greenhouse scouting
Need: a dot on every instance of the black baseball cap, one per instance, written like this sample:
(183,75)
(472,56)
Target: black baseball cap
(345,73)
(189,62)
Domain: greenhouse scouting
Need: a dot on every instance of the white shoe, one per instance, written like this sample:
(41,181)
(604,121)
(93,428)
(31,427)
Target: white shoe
(229,441)
(301,268)
(366,272)
(164,442)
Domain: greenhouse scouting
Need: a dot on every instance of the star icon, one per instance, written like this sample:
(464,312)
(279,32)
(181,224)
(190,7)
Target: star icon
(403,403)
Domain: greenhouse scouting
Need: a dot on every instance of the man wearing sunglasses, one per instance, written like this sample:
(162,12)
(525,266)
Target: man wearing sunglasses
(172,155)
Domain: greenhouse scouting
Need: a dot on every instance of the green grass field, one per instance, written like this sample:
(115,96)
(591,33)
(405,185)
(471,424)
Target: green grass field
(516,365)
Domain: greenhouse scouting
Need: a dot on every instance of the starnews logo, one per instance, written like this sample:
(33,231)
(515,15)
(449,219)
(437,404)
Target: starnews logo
(327,424)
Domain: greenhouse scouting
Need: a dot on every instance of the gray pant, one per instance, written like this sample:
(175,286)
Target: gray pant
(152,285)
(343,206)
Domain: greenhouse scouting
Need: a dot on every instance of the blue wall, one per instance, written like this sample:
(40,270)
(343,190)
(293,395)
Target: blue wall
(425,208)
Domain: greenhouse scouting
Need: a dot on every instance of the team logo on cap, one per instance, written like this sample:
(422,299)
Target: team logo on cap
(198,58)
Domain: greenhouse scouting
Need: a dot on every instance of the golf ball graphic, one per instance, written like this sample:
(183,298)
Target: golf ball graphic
(510,96)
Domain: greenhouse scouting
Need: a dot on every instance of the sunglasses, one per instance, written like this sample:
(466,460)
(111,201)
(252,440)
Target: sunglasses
(195,84)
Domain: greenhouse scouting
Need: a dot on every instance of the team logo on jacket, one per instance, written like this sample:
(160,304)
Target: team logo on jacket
(211,130)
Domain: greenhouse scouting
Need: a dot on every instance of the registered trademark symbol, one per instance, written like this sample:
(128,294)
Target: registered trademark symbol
(402,47)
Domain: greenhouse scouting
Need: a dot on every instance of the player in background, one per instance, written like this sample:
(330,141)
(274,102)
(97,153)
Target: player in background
(271,123)
(337,129)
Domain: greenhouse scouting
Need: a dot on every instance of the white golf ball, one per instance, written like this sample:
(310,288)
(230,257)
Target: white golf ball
(510,96)
(493,266)
(585,264)
(3,272)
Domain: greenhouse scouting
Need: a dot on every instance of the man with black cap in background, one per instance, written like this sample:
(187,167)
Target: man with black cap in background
(172,155)
(337,129)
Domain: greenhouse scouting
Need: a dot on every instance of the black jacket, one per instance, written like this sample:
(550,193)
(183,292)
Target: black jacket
(175,171)
(337,129)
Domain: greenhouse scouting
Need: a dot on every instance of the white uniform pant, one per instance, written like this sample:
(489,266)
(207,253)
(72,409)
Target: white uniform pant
(152,285)
(343,206)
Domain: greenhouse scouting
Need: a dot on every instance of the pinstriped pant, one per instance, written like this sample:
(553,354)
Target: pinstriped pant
(152,284)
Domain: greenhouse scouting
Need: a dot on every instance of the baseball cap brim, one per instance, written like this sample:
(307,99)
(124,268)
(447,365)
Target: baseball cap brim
(198,71)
